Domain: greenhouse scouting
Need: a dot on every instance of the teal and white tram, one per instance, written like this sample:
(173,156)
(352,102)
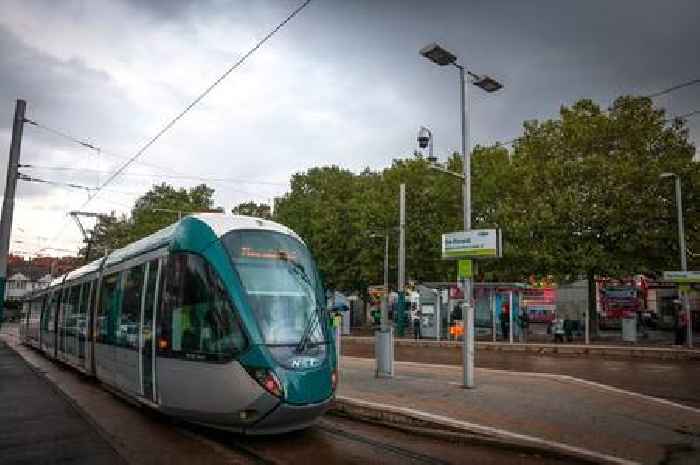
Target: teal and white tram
(216,319)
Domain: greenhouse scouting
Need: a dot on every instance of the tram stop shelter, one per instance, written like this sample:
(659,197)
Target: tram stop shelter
(497,307)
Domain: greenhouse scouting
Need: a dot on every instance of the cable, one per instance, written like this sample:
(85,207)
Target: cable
(201,96)
(24,177)
(197,178)
(90,146)
(676,87)
(62,134)
(685,116)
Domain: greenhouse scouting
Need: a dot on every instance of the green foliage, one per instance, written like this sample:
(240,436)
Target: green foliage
(578,195)
(258,210)
(157,208)
(586,197)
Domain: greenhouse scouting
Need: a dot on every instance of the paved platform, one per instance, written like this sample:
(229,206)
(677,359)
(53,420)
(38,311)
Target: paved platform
(553,409)
(38,425)
(564,349)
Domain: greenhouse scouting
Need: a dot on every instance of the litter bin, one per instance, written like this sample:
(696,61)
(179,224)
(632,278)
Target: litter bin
(629,328)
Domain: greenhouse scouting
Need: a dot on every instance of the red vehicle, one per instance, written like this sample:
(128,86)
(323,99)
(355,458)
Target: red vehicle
(616,302)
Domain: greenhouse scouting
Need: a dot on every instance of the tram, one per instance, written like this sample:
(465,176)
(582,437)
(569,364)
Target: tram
(217,319)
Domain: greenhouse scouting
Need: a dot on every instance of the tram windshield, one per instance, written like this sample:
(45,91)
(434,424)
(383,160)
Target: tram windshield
(282,286)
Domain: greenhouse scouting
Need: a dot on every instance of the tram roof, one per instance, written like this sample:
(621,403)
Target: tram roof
(219,223)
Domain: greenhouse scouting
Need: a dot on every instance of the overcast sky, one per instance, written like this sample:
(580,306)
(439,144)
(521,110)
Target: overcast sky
(341,84)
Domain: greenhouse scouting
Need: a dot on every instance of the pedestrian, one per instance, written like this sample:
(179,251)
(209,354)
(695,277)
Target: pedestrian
(416,325)
(681,323)
(504,320)
(524,323)
(558,330)
(569,329)
(377,317)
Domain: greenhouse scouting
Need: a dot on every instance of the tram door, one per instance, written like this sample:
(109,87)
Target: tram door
(147,338)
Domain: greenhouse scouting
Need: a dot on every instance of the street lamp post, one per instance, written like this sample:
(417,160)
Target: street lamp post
(443,57)
(681,246)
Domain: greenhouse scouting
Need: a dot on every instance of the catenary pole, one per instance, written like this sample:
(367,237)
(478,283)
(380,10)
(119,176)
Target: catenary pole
(8,202)
(402,258)
(684,260)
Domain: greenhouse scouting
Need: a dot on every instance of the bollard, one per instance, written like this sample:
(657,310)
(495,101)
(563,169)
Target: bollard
(384,352)
(468,346)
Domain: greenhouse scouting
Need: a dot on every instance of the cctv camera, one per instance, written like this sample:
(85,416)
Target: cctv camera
(423,137)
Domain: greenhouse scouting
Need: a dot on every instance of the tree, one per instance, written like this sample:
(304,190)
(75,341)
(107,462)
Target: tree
(157,208)
(585,198)
(253,209)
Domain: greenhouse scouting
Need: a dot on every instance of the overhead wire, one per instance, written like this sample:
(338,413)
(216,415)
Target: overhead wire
(174,176)
(102,151)
(179,116)
(198,99)
(673,88)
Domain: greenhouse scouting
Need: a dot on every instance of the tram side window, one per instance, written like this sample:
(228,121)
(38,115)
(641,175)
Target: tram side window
(130,317)
(52,311)
(82,317)
(108,310)
(35,310)
(43,315)
(72,311)
(197,318)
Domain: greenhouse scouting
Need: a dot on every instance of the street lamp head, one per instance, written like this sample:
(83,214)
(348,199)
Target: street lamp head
(438,55)
(488,84)
(667,175)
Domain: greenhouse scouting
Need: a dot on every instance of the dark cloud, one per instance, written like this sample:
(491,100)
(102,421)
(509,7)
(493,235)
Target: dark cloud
(168,9)
(342,83)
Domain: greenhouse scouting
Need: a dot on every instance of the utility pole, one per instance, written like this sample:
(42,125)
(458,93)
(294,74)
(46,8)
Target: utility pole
(8,203)
(684,262)
(385,302)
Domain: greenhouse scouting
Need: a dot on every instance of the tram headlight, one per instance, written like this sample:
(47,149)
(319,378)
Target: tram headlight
(268,380)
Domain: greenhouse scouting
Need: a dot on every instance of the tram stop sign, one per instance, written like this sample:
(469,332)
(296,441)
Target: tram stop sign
(476,243)
(682,277)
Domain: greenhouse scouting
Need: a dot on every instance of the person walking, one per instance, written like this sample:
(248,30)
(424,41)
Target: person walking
(524,323)
(681,323)
(416,325)
(558,330)
(504,320)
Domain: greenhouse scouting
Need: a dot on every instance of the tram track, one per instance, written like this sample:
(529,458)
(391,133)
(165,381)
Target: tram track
(415,457)
(343,440)
(273,451)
